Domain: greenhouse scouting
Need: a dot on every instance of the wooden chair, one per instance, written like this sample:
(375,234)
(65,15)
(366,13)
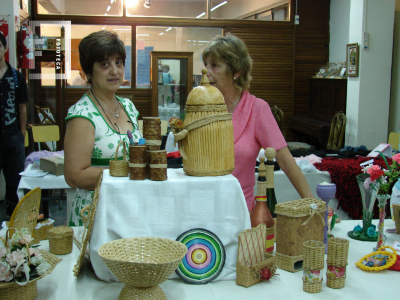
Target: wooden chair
(26,212)
(278,115)
(336,135)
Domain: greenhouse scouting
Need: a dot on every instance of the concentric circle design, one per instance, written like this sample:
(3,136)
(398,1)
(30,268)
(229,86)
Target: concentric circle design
(205,257)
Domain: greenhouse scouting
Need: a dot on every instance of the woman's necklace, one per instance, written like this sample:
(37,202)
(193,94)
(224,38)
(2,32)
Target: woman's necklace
(116,128)
(231,109)
(104,106)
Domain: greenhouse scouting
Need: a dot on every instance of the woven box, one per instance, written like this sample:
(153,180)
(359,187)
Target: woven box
(53,165)
(60,240)
(297,221)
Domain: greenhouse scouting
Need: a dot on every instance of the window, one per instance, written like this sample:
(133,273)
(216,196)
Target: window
(188,39)
(80,7)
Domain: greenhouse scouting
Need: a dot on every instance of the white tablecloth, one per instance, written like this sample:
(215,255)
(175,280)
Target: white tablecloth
(168,208)
(49,181)
(62,285)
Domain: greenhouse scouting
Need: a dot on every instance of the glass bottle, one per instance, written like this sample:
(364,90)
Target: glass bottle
(271,198)
(260,213)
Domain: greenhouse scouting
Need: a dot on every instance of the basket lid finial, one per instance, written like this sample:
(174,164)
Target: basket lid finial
(204,79)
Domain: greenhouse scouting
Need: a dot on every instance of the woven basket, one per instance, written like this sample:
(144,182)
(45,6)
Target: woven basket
(41,232)
(312,287)
(12,291)
(142,263)
(119,168)
(60,239)
(206,141)
(289,263)
(248,276)
(313,255)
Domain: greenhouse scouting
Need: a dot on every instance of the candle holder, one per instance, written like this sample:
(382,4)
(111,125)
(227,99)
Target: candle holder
(326,191)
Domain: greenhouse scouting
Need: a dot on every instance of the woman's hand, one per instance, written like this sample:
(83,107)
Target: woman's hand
(78,149)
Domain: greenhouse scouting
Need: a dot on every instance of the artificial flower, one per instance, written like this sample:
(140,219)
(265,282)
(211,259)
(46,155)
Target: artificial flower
(396,158)
(357,228)
(371,231)
(5,272)
(15,257)
(3,252)
(42,268)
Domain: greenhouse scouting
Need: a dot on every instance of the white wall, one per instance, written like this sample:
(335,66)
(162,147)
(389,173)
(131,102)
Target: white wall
(339,30)
(394,117)
(368,95)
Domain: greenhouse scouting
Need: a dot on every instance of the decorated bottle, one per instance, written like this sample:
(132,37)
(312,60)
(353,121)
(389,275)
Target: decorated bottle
(260,213)
(271,198)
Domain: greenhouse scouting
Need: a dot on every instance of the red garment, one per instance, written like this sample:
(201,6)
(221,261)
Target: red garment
(174,154)
(4,31)
(24,45)
(343,172)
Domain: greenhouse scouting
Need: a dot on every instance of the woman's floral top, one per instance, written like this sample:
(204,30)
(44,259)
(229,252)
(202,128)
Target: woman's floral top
(106,140)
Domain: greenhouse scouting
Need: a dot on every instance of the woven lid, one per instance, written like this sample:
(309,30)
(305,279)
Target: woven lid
(301,207)
(60,232)
(205,94)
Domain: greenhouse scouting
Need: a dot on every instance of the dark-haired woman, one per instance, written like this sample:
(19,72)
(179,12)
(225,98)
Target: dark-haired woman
(99,120)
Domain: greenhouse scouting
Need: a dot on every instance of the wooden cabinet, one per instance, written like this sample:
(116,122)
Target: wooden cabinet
(171,81)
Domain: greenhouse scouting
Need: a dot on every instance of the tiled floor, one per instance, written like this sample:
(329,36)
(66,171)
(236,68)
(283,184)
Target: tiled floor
(58,215)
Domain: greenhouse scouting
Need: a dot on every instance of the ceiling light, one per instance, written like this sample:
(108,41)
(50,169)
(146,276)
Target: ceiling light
(200,15)
(108,8)
(219,5)
(112,1)
(105,14)
(168,29)
(147,3)
(142,34)
(103,27)
(161,33)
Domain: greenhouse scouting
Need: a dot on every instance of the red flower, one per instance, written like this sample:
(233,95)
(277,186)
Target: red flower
(396,157)
(375,174)
(266,274)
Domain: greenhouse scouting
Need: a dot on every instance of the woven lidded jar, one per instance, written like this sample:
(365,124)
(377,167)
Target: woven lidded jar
(60,240)
(207,149)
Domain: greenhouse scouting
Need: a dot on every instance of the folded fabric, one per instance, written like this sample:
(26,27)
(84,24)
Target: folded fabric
(174,154)
(311,159)
(38,154)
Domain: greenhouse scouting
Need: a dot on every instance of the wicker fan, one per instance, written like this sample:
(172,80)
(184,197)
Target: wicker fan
(88,225)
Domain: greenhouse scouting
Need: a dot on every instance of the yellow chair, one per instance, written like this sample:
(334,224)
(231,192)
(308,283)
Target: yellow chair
(45,133)
(394,140)
(26,139)
(26,212)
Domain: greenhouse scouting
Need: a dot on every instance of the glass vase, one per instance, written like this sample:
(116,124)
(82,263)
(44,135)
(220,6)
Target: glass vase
(368,196)
(382,200)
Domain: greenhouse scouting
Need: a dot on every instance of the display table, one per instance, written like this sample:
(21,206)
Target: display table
(62,285)
(128,208)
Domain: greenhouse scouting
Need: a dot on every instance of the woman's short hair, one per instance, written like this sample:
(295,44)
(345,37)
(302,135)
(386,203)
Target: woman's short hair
(3,40)
(233,51)
(97,46)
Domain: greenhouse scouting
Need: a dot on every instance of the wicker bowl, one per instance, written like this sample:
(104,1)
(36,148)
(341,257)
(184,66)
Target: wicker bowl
(142,263)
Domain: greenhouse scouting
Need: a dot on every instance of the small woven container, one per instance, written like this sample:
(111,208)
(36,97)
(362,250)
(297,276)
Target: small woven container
(60,239)
(150,145)
(311,287)
(137,162)
(248,276)
(313,255)
(158,165)
(297,221)
(41,232)
(142,263)
(152,128)
(119,168)
(337,260)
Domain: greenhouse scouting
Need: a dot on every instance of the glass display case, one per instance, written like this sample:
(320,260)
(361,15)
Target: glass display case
(171,82)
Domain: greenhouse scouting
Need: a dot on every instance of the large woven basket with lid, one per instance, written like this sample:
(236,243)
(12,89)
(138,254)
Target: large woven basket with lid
(207,146)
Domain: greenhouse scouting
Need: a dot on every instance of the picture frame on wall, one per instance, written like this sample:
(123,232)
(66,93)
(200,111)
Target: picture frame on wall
(352,55)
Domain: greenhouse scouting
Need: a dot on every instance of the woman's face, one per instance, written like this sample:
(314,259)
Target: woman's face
(108,74)
(218,74)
